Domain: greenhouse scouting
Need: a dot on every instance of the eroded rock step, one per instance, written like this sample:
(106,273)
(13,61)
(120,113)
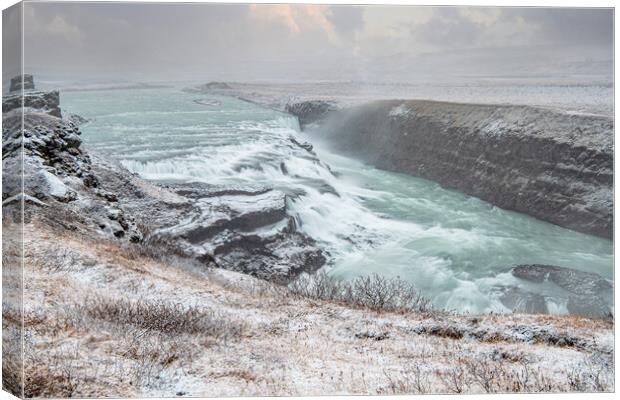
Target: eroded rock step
(245,228)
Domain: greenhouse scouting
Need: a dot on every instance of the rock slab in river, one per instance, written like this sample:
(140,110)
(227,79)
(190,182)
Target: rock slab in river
(589,293)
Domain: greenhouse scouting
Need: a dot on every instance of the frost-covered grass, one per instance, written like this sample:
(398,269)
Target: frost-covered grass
(104,321)
(164,317)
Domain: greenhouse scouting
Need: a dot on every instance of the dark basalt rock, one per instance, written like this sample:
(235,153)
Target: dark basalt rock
(305,145)
(217,85)
(589,293)
(208,87)
(46,102)
(245,229)
(55,169)
(77,120)
(16,83)
(208,102)
(520,300)
(309,112)
(554,166)
(198,190)
(574,281)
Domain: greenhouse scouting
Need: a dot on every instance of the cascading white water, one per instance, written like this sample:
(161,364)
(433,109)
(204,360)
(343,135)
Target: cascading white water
(455,248)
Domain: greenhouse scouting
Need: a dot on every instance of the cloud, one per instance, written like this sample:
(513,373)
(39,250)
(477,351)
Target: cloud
(346,20)
(303,19)
(570,26)
(449,27)
(261,41)
(58,26)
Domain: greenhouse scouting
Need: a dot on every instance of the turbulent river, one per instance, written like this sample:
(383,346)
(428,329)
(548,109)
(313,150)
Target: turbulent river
(453,247)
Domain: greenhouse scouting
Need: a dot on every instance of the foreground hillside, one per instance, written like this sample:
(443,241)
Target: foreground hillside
(106,319)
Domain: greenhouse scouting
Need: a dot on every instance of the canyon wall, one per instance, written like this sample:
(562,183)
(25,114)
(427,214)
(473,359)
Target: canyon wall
(554,166)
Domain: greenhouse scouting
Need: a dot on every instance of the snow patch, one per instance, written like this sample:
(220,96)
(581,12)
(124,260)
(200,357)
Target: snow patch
(401,111)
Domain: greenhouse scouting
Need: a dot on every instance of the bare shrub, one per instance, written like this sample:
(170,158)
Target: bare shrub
(591,376)
(485,373)
(151,353)
(43,381)
(58,259)
(319,286)
(455,378)
(411,380)
(502,376)
(12,374)
(162,316)
(48,373)
(374,292)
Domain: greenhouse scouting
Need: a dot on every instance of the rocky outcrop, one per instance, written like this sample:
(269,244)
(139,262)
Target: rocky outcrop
(309,112)
(208,87)
(520,300)
(242,228)
(76,119)
(47,102)
(208,102)
(18,83)
(589,294)
(554,166)
(58,176)
(246,229)
(51,152)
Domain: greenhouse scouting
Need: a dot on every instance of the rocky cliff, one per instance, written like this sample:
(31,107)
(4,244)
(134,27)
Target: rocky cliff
(47,102)
(25,82)
(554,166)
(309,112)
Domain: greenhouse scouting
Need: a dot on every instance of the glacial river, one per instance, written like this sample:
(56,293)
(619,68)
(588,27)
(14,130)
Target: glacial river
(456,249)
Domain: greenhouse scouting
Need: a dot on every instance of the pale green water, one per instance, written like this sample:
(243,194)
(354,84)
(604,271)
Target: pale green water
(455,248)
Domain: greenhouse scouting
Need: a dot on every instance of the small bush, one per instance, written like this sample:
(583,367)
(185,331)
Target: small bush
(455,378)
(163,317)
(152,353)
(12,375)
(374,292)
(59,259)
(42,381)
(411,380)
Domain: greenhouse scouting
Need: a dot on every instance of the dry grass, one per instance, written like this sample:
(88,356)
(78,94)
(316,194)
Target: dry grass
(12,374)
(485,373)
(153,245)
(411,380)
(43,380)
(44,374)
(240,374)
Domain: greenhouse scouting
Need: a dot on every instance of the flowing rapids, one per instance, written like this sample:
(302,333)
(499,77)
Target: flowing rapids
(456,249)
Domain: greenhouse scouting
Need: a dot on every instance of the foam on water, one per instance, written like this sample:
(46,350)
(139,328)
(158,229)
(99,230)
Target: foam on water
(455,248)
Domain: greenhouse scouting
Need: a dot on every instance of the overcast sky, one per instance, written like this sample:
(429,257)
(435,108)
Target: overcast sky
(249,42)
